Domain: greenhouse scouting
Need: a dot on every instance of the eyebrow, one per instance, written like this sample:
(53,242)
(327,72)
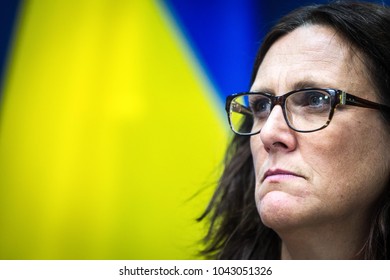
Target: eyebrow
(302,84)
(307,83)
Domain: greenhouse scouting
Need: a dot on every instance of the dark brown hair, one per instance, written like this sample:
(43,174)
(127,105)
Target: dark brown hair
(235,229)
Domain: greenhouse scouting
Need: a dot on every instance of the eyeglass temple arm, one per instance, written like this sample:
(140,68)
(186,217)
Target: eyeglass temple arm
(349,99)
(238,108)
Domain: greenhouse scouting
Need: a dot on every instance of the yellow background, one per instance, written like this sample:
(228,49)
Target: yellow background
(111,138)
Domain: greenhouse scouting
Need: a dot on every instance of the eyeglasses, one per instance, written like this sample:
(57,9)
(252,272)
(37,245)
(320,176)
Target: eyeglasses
(305,110)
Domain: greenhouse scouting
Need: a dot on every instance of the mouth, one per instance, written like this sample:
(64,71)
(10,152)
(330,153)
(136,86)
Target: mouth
(279,174)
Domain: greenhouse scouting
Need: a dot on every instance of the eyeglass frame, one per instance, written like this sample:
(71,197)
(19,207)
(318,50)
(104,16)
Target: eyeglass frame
(338,97)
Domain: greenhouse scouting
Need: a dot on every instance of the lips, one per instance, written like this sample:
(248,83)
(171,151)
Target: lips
(280,173)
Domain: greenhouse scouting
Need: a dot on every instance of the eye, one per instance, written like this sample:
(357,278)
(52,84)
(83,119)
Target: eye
(260,106)
(309,101)
(315,99)
(312,99)
(319,99)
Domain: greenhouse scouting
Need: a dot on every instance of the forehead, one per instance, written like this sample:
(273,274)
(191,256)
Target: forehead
(314,55)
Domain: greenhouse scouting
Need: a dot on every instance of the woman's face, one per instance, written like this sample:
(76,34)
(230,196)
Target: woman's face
(324,179)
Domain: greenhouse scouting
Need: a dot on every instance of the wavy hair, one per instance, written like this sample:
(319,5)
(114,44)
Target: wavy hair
(235,229)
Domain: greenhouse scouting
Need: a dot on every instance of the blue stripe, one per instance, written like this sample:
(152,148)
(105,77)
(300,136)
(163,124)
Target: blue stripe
(225,35)
(8,13)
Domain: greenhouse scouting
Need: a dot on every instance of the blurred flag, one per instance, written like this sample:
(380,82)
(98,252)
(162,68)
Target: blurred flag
(109,128)
(112,125)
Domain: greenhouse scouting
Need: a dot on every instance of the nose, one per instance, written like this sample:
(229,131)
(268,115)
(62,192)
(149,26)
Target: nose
(276,134)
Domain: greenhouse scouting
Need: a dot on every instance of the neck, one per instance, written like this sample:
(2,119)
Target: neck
(325,244)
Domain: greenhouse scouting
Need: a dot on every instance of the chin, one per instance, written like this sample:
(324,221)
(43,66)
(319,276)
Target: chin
(279,210)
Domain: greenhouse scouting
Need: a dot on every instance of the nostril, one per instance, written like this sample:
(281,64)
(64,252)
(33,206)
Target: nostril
(275,146)
(279,145)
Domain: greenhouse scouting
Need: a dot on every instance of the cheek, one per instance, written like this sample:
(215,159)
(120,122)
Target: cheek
(349,167)
(258,152)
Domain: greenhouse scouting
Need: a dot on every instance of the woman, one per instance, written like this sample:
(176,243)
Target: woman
(307,173)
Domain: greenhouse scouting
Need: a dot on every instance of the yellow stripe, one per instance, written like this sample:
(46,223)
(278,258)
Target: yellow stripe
(107,129)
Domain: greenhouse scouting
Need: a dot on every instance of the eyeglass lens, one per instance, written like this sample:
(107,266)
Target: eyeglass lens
(304,110)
